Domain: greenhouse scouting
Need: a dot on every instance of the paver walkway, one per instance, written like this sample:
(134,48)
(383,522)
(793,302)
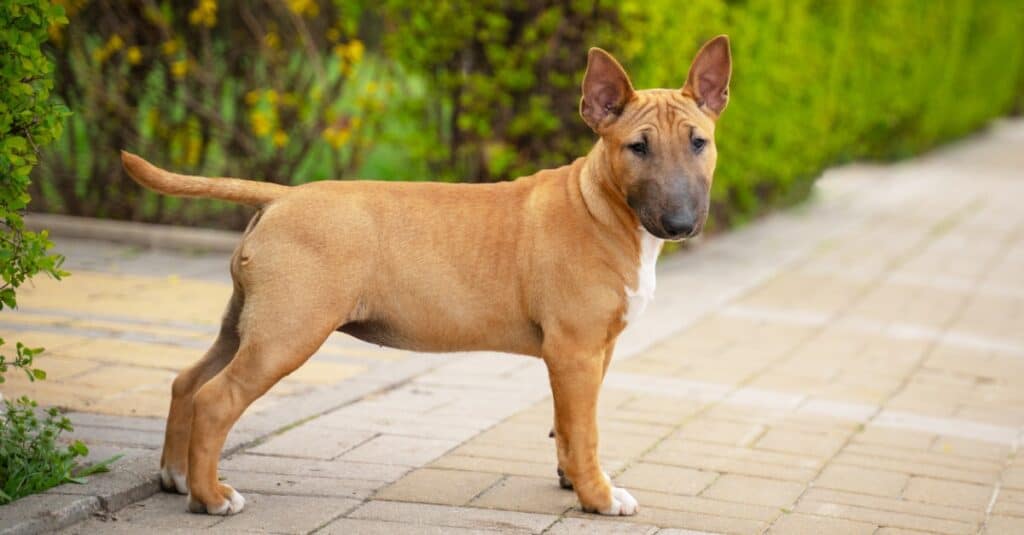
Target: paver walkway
(854,365)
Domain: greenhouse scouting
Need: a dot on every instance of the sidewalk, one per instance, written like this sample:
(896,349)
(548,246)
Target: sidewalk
(853,365)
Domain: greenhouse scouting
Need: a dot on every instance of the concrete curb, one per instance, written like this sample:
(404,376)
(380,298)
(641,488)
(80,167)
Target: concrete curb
(134,233)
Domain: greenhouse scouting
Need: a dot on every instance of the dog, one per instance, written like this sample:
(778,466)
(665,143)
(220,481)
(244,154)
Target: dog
(552,265)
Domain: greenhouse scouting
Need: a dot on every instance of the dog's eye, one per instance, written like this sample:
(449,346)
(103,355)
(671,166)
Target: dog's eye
(697,144)
(639,148)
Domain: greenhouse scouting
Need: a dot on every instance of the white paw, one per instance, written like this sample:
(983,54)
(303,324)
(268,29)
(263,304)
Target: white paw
(231,506)
(173,480)
(623,503)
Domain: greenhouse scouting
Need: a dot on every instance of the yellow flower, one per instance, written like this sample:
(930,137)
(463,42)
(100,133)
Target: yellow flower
(170,47)
(179,68)
(304,7)
(115,43)
(134,55)
(280,138)
(252,97)
(205,14)
(336,136)
(261,124)
(350,53)
(272,40)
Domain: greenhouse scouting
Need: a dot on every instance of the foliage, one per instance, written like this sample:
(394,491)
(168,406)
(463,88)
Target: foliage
(488,90)
(32,459)
(29,119)
(278,90)
(507,74)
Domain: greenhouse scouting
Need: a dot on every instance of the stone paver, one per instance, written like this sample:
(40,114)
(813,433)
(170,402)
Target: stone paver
(852,366)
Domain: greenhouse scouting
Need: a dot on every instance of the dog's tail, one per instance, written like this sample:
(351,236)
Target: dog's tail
(247,192)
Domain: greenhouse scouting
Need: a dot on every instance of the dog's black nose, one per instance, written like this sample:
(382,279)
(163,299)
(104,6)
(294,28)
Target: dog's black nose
(677,225)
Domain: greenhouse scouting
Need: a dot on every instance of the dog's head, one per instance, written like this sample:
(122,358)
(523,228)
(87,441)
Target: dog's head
(660,143)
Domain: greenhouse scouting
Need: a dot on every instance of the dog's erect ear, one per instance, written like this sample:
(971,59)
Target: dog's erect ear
(606,89)
(708,81)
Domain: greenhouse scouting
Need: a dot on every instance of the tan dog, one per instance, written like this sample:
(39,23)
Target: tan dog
(552,265)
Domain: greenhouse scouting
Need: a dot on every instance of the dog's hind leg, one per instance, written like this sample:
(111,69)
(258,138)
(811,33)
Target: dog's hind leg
(283,323)
(174,461)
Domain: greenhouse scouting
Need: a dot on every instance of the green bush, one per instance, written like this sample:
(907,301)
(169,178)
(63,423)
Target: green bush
(488,90)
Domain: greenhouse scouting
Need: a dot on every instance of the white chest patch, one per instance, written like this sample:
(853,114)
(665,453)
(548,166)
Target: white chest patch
(638,298)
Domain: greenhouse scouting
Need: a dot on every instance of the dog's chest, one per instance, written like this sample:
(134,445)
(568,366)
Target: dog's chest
(637,298)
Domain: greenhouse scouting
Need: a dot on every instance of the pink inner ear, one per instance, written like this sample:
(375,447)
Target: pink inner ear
(609,98)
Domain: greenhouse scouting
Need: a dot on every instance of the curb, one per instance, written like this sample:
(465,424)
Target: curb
(147,235)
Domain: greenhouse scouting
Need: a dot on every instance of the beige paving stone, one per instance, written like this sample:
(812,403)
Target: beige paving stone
(667,518)
(894,437)
(408,451)
(952,493)
(135,353)
(299,485)
(1013,477)
(733,460)
(458,517)
(718,431)
(899,531)
(810,444)
(527,494)
(941,458)
(115,379)
(895,505)
(497,466)
(801,524)
(1009,502)
(352,526)
(668,479)
(266,464)
(885,518)
(862,480)
(508,452)
(697,504)
(445,487)
(312,441)
(134,404)
(286,514)
(746,489)
(324,373)
(573,526)
(919,468)
(1004,525)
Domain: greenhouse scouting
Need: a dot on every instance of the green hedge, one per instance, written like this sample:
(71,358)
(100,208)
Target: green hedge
(488,90)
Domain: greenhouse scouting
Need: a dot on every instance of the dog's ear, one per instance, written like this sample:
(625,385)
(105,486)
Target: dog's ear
(606,89)
(708,81)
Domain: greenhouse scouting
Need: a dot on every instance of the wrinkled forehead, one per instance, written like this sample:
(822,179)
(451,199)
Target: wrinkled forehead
(667,112)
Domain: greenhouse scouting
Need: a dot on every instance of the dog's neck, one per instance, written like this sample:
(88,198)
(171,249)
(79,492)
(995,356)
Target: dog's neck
(603,196)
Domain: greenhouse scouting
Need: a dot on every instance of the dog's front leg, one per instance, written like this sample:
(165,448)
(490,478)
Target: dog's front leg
(576,374)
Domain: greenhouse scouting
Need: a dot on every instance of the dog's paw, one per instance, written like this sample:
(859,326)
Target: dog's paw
(231,505)
(623,503)
(172,480)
